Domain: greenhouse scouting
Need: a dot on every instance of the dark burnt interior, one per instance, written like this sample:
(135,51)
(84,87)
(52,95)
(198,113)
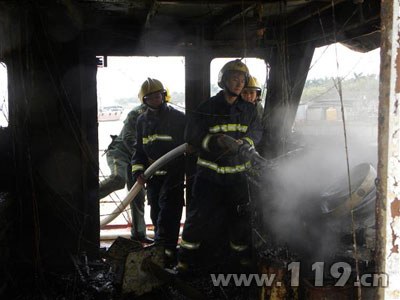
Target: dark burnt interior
(49,151)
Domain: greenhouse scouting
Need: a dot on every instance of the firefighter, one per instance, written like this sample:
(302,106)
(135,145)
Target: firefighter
(220,186)
(252,93)
(159,130)
(119,154)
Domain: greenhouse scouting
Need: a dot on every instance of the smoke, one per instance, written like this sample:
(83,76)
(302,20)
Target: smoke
(292,194)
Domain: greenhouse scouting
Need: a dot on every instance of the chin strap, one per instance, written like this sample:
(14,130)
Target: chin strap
(155,109)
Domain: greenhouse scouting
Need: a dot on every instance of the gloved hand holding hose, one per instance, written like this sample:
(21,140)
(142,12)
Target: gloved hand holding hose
(141,179)
(228,143)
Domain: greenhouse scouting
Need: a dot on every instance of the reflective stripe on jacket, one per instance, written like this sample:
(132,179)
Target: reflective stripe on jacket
(158,132)
(212,118)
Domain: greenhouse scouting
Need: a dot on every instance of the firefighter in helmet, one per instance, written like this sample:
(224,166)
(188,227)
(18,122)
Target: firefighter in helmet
(159,130)
(252,93)
(119,154)
(220,185)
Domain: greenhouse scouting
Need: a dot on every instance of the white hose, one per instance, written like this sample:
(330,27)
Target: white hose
(147,174)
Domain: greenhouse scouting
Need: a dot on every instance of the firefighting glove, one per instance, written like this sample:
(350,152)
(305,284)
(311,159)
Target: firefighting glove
(227,143)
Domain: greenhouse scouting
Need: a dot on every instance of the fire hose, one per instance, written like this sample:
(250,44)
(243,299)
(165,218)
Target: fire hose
(163,160)
(248,153)
(245,152)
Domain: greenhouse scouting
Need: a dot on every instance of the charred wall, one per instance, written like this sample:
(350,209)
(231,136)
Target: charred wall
(53,153)
(53,136)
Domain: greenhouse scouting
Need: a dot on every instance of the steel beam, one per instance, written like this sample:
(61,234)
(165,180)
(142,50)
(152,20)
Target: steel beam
(388,188)
(309,11)
(235,16)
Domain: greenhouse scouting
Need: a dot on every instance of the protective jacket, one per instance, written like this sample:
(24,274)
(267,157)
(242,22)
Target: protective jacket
(122,145)
(213,118)
(158,132)
(119,154)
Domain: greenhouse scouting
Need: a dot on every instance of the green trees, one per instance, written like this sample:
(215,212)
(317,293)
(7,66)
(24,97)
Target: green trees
(360,95)
(358,88)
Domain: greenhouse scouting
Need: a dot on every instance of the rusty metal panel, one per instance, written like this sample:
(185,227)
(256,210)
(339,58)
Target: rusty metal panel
(388,203)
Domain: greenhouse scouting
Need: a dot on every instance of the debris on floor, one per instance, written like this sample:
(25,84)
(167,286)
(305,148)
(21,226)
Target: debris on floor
(137,278)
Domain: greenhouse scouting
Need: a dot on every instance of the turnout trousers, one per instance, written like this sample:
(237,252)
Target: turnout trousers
(121,174)
(211,203)
(165,196)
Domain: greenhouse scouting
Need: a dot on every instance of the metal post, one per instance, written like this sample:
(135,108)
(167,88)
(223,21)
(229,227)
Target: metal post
(388,203)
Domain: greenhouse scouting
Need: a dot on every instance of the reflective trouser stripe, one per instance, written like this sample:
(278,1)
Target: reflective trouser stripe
(238,248)
(169,252)
(189,246)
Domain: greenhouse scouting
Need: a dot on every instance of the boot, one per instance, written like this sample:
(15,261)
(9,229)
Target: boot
(142,239)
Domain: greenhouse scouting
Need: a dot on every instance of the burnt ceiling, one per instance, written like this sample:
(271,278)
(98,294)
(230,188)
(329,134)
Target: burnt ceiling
(144,24)
(122,27)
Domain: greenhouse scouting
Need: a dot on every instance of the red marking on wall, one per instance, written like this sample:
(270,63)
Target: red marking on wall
(395,210)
